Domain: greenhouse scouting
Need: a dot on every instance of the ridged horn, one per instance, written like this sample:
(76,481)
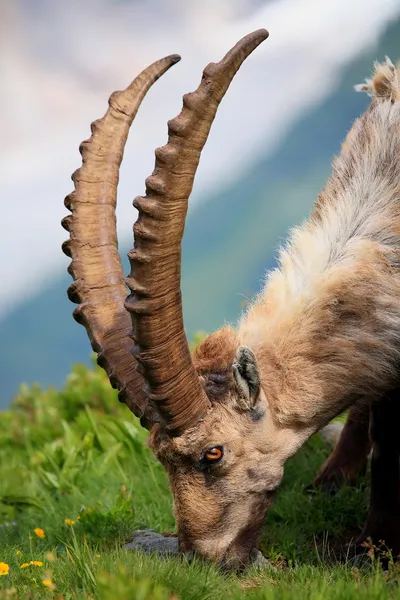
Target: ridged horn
(155,305)
(99,285)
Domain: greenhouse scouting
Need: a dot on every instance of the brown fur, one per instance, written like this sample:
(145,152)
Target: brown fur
(325,333)
(216,352)
(213,360)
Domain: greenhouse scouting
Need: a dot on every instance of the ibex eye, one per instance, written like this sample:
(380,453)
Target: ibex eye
(213,455)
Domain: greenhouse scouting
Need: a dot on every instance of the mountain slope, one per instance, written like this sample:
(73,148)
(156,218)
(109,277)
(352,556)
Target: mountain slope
(229,242)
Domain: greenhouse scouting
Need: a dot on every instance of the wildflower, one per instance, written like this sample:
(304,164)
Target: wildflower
(69,522)
(40,532)
(48,583)
(18,553)
(37,563)
(25,565)
(51,557)
(4,568)
(78,518)
(97,555)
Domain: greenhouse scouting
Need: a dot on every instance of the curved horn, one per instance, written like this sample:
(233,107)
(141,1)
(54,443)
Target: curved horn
(155,304)
(99,286)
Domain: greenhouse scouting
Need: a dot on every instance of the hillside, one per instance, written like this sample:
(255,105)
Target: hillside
(229,242)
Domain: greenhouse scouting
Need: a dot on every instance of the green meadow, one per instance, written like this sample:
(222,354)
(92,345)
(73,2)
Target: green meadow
(76,479)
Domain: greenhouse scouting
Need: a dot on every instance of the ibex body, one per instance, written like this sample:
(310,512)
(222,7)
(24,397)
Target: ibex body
(322,335)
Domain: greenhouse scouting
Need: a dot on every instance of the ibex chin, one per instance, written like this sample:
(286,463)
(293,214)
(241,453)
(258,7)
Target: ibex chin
(323,335)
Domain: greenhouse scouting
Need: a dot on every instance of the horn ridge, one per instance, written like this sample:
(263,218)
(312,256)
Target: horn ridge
(155,302)
(98,281)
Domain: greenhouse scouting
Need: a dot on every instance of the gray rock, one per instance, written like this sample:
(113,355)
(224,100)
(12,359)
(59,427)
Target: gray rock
(151,542)
(331,433)
(258,560)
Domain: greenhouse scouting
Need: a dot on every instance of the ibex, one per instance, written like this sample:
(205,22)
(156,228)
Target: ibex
(323,335)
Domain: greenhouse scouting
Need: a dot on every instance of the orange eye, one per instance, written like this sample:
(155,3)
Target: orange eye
(213,454)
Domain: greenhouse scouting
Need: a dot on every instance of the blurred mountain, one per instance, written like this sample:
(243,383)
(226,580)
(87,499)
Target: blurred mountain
(230,238)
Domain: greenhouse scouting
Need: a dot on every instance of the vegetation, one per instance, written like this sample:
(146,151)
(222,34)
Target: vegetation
(76,478)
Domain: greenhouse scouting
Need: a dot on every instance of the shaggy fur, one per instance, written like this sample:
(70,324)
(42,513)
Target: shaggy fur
(326,327)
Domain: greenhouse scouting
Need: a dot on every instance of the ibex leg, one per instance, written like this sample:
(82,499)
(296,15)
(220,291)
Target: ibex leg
(383,522)
(349,457)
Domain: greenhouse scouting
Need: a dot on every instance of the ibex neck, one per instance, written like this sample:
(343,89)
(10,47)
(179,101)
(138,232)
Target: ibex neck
(330,339)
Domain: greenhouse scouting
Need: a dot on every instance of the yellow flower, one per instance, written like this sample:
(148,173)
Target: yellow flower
(4,568)
(69,522)
(25,565)
(18,553)
(78,518)
(40,532)
(48,583)
(97,555)
(37,563)
(51,557)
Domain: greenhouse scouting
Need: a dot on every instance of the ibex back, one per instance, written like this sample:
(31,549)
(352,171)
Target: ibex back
(322,335)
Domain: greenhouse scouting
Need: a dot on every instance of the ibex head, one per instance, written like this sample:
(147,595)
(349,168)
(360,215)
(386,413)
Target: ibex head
(221,470)
(208,416)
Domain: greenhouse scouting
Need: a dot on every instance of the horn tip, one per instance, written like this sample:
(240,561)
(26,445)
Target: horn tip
(174,58)
(256,37)
(264,33)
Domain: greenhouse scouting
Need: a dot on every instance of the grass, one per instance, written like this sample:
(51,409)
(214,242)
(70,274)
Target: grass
(78,455)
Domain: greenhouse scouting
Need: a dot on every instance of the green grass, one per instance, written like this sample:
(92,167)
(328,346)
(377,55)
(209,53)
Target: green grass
(78,454)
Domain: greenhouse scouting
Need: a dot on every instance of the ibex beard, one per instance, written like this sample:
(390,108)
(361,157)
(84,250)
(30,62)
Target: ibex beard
(323,334)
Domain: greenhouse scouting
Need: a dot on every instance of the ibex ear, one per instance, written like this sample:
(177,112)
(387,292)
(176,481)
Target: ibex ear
(247,378)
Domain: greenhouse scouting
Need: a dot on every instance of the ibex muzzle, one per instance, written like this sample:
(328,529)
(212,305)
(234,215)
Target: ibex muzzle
(322,334)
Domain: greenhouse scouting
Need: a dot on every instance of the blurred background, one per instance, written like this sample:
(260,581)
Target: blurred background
(266,160)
